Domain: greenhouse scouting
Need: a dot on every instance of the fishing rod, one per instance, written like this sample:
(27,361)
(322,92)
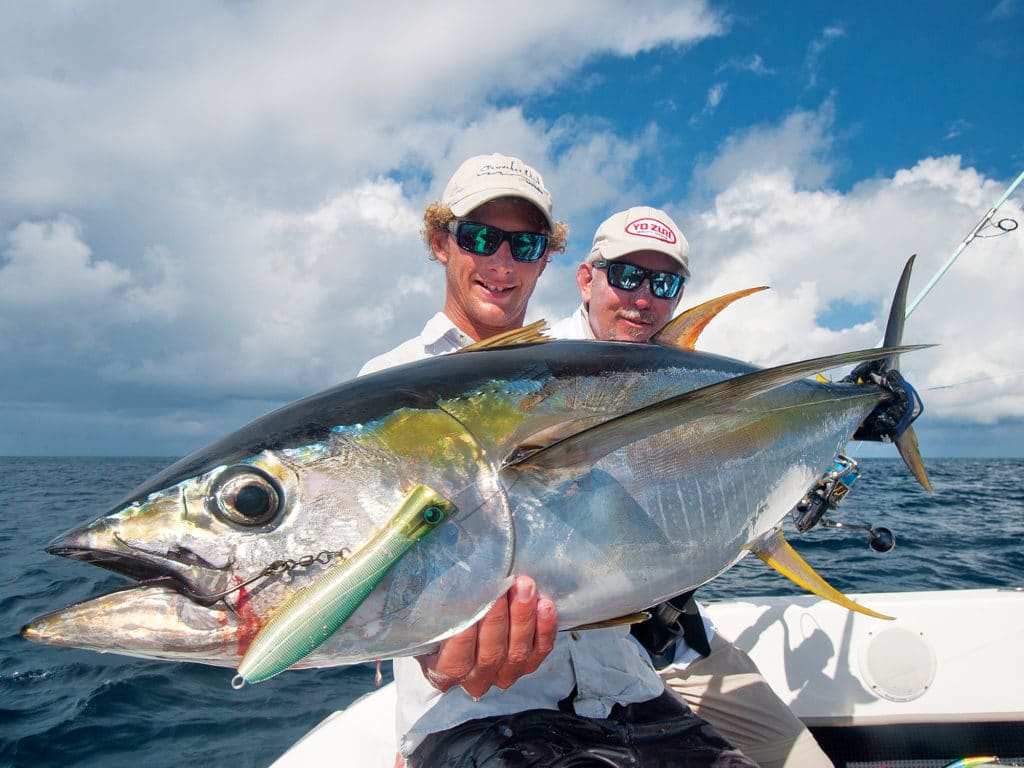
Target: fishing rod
(1006,225)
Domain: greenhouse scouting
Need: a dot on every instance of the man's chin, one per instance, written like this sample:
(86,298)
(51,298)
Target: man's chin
(627,331)
(499,315)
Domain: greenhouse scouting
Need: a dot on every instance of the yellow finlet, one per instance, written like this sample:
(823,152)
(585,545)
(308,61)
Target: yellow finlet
(682,331)
(528,334)
(777,552)
(906,444)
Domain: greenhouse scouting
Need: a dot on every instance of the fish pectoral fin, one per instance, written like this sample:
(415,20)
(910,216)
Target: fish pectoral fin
(630,618)
(681,332)
(550,435)
(528,334)
(776,551)
(592,443)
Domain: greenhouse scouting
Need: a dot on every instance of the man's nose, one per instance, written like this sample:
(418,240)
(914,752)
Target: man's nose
(642,295)
(502,259)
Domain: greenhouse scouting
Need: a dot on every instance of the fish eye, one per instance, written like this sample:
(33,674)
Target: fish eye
(245,496)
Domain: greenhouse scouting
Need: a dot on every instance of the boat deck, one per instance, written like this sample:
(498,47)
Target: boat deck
(940,682)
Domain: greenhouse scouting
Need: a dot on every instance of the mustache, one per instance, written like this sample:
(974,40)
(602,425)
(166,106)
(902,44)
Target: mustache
(635,316)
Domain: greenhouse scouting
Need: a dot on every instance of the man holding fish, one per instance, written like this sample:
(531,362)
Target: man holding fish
(631,284)
(511,684)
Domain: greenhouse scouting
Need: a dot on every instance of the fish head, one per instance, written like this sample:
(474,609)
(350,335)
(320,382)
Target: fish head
(201,535)
(221,540)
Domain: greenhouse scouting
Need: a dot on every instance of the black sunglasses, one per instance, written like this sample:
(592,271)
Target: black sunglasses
(484,240)
(629,277)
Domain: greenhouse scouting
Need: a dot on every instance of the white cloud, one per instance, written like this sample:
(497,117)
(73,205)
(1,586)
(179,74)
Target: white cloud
(800,146)
(817,48)
(1004,9)
(817,246)
(198,91)
(715,95)
(46,267)
(56,299)
(752,63)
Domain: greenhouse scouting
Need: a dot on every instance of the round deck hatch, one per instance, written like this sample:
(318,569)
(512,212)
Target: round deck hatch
(898,664)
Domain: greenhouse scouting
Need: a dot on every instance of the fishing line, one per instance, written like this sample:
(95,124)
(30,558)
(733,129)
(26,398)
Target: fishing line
(975,381)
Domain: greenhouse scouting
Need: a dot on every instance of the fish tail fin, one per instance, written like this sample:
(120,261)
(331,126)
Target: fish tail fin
(776,552)
(901,433)
(906,442)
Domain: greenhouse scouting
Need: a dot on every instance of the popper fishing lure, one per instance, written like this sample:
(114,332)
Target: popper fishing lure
(316,611)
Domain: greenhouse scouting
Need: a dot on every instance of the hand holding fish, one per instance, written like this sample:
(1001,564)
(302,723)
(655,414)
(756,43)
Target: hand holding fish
(510,641)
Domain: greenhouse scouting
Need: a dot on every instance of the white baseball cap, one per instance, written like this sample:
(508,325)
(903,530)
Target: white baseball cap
(487,177)
(640,229)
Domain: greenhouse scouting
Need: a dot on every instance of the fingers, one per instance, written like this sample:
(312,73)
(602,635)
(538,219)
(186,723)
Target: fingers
(454,660)
(547,630)
(510,641)
(533,625)
(495,636)
(522,621)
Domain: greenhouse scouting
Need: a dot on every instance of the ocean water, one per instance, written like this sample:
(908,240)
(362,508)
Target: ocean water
(77,708)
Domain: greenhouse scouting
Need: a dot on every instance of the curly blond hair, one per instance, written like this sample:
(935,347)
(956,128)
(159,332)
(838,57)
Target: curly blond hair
(437,215)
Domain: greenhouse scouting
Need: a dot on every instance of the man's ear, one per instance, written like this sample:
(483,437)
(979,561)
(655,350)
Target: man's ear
(438,244)
(584,277)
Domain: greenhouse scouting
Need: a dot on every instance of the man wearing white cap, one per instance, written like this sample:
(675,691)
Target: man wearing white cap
(492,231)
(631,284)
(491,201)
(633,279)
(511,689)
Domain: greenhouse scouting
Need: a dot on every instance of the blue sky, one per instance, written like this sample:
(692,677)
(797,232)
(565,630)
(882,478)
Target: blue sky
(209,210)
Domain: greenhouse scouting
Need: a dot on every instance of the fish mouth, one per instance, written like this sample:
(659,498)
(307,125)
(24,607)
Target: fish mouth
(147,621)
(178,568)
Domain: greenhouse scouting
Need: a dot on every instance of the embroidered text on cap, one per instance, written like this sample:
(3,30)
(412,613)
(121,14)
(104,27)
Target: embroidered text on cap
(651,228)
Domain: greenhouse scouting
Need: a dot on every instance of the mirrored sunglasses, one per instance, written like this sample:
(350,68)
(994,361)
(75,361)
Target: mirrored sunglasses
(629,277)
(484,240)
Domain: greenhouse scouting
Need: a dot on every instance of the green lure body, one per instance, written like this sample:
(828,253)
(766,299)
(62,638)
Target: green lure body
(317,610)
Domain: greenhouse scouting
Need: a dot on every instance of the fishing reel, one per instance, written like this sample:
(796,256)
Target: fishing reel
(826,494)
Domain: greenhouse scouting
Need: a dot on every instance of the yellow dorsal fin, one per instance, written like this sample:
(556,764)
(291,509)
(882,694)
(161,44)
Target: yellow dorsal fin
(776,551)
(682,331)
(528,334)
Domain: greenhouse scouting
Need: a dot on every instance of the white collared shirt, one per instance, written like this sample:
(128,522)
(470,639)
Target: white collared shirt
(575,326)
(438,337)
